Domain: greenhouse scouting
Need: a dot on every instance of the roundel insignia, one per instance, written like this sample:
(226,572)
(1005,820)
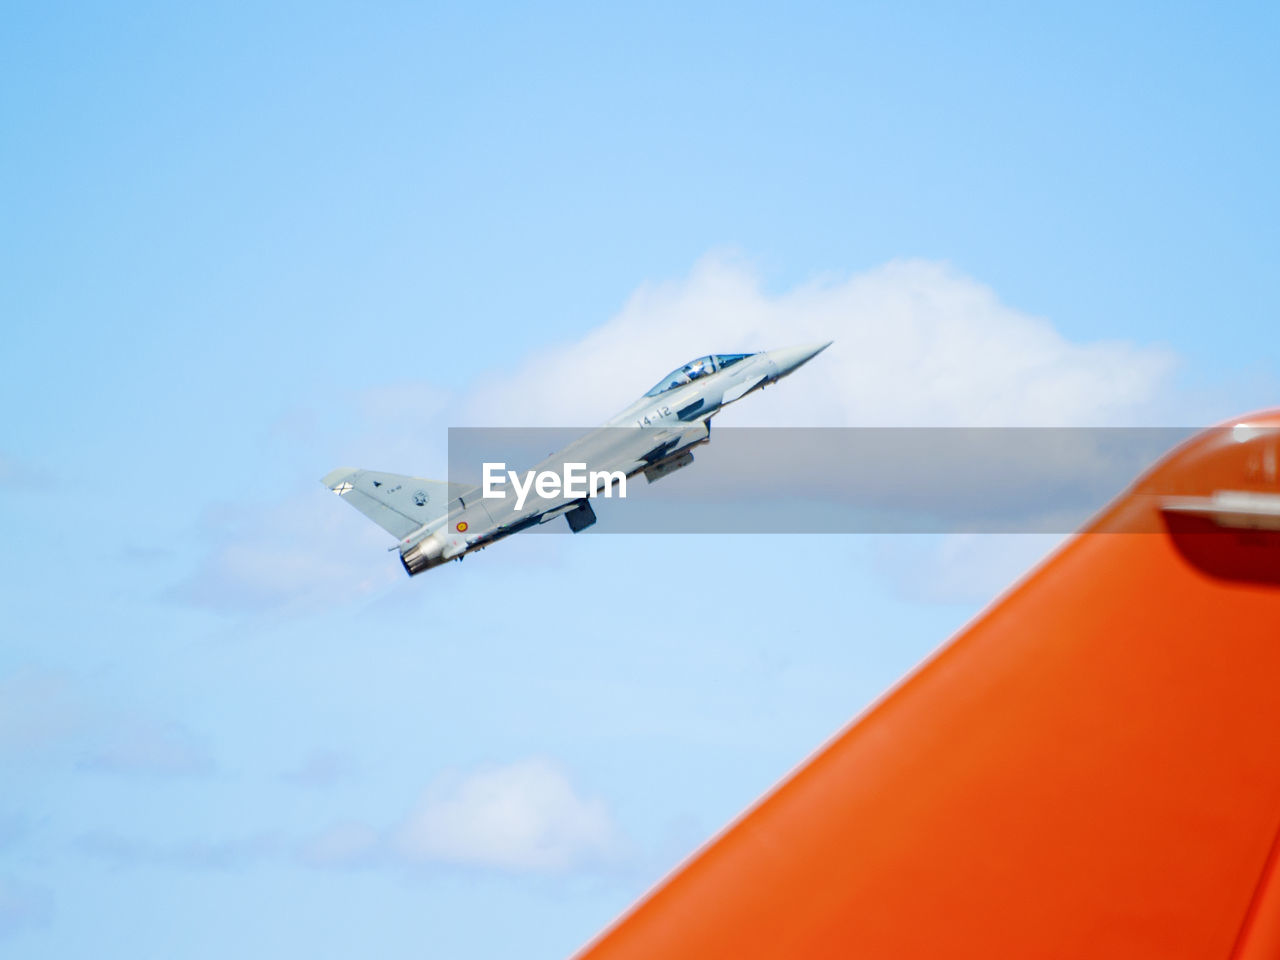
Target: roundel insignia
(462,526)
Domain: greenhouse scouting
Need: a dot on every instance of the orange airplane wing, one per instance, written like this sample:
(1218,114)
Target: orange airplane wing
(1090,769)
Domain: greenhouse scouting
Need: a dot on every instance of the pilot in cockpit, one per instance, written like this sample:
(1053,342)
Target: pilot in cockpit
(695,369)
(699,367)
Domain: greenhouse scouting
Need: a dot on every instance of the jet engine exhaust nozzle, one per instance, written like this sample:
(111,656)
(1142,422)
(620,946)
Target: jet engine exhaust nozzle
(423,555)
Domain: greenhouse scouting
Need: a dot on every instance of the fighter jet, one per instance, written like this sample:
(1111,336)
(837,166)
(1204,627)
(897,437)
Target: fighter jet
(434,521)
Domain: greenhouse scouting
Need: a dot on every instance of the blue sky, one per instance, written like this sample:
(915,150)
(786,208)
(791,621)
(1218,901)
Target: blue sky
(241,245)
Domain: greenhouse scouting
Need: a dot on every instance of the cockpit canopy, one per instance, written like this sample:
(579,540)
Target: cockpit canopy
(694,369)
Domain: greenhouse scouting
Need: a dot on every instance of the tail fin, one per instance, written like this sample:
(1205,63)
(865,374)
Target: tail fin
(1087,769)
(399,505)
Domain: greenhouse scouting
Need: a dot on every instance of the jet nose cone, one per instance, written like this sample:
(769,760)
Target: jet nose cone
(787,359)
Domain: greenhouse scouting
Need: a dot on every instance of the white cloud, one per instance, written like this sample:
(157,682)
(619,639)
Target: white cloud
(296,555)
(525,816)
(916,343)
